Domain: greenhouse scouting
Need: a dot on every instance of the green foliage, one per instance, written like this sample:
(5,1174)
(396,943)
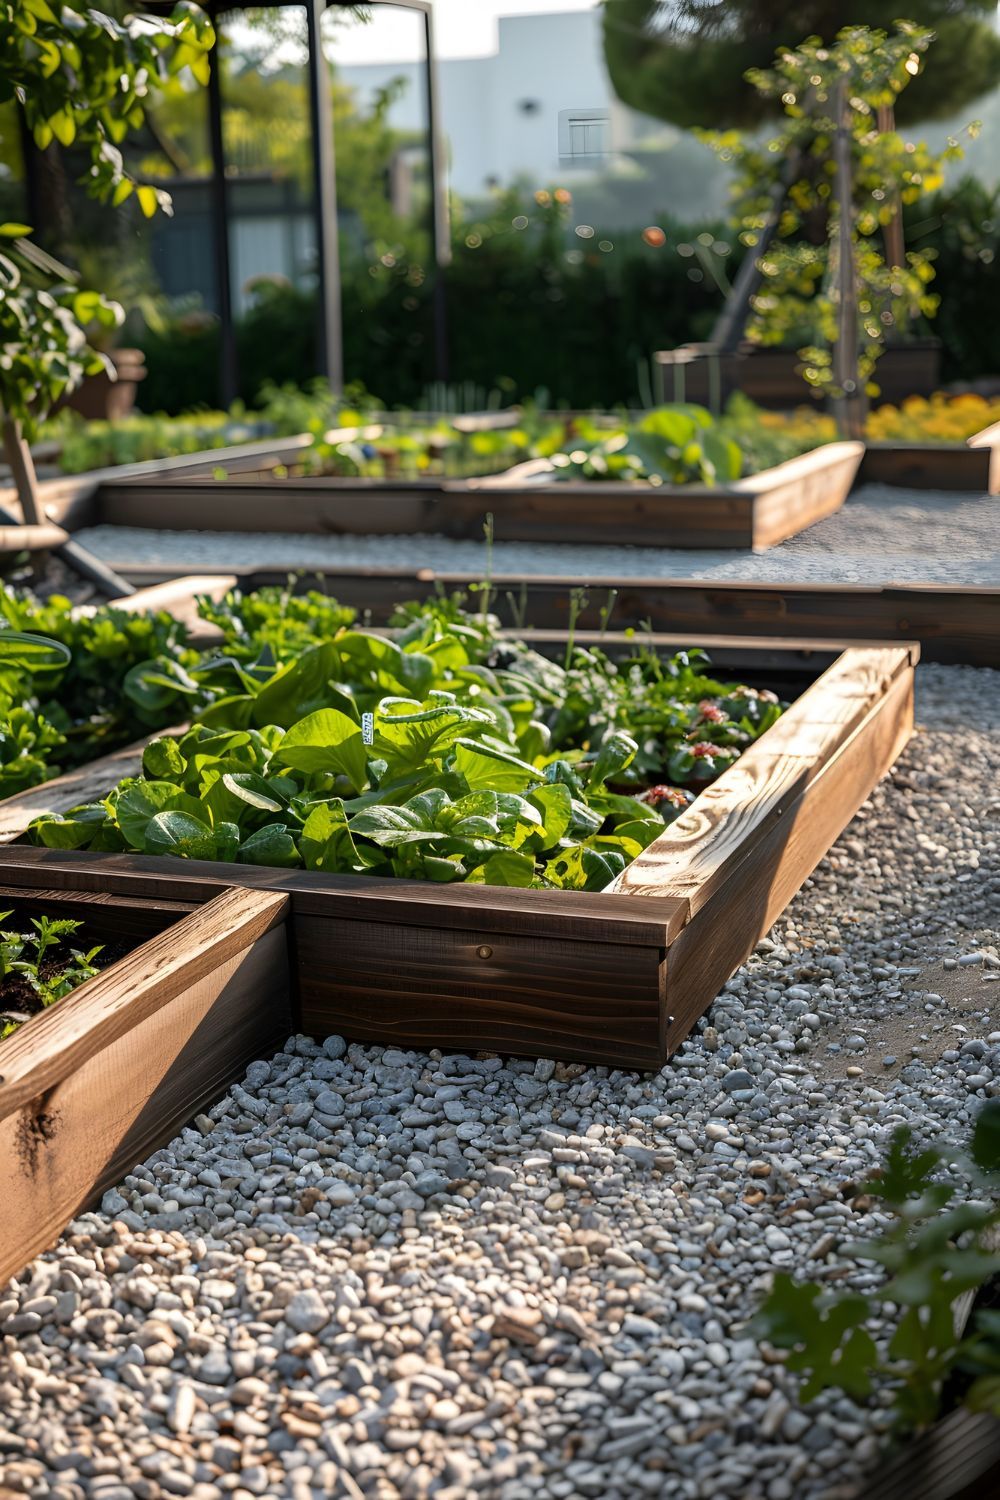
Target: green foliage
(534,312)
(34,964)
(671,445)
(683,60)
(439,753)
(934,1246)
(43,348)
(960,227)
(799,300)
(82,76)
(62,700)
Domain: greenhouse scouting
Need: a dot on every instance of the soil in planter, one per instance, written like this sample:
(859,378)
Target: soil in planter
(20,1001)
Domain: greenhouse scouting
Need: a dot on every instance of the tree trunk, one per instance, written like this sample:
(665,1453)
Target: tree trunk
(22,466)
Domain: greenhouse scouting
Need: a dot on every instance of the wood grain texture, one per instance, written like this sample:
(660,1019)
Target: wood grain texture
(472,991)
(99,1116)
(759,883)
(695,855)
(108,1007)
(571,915)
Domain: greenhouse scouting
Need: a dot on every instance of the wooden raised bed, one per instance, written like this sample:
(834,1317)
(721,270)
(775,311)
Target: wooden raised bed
(750,513)
(974,465)
(92,1085)
(617,977)
(953,625)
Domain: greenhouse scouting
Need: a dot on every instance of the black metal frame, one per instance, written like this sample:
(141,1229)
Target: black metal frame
(330,351)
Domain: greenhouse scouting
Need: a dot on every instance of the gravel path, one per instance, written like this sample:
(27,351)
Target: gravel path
(882,535)
(373,1273)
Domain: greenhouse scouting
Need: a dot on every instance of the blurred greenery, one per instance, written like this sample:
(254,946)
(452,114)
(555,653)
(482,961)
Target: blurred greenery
(685,60)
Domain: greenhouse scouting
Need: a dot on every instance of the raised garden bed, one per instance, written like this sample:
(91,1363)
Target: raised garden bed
(952,625)
(753,513)
(108,1074)
(937,466)
(615,977)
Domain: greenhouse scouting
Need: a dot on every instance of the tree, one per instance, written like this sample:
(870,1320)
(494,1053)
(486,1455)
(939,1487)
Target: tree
(686,61)
(834,275)
(83,77)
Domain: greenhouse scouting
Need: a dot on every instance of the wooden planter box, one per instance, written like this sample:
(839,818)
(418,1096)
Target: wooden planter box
(617,977)
(769,374)
(937,466)
(750,513)
(92,1085)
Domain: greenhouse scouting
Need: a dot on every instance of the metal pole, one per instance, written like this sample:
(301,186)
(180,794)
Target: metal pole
(228,363)
(440,226)
(331,334)
(845,351)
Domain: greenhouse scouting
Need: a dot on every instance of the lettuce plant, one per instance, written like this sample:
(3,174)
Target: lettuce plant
(439,753)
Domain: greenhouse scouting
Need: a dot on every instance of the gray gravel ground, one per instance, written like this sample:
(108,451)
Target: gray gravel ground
(374,1273)
(882,535)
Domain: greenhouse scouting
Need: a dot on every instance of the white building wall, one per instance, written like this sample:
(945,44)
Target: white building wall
(551,62)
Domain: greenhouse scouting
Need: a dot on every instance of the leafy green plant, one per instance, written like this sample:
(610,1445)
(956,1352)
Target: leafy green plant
(35,971)
(442,753)
(84,77)
(62,675)
(934,1246)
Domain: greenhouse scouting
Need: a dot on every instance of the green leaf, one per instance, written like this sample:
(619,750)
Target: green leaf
(509,868)
(325,741)
(392,826)
(583,869)
(407,740)
(272,845)
(12,230)
(555,804)
(147,199)
(162,759)
(140,803)
(181,834)
(251,789)
(488,767)
(33,653)
(326,842)
(616,752)
(985,1146)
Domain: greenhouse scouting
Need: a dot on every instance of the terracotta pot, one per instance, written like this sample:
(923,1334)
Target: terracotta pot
(99,398)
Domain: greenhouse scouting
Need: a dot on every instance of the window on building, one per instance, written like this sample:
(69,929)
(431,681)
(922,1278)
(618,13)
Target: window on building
(584,135)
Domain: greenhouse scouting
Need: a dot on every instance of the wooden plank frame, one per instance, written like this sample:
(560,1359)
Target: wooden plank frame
(617,977)
(109,1074)
(953,625)
(754,513)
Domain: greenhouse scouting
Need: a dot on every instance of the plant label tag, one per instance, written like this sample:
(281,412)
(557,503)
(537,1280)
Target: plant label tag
(368,729)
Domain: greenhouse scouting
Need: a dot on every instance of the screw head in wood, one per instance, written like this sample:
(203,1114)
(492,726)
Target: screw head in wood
(484,951)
